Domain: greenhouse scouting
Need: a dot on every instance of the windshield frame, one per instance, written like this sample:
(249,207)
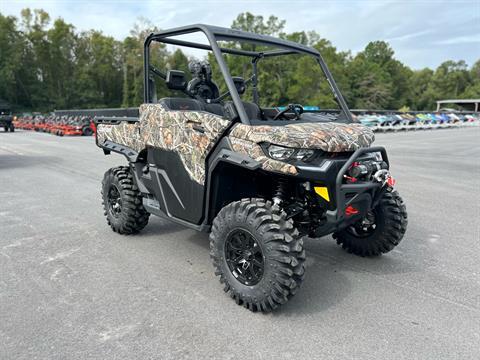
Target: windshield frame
(215,34)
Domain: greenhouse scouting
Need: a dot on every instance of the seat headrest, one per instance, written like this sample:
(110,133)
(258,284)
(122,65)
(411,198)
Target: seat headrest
(216,109)
(253,110)
(176,80)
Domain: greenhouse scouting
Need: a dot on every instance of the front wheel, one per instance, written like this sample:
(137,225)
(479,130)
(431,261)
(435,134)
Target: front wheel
(257,253)
(379,231)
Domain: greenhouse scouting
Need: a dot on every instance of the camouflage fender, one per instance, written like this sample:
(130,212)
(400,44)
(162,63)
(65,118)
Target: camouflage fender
(255,152)
(170,130)
(329,137)
(125,134)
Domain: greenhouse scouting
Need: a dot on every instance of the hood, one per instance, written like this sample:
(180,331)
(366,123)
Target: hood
(329,137)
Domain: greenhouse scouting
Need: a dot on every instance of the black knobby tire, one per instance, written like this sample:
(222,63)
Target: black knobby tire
(129,217)
(281,247)
(390,226)
(87,131)
(12,127)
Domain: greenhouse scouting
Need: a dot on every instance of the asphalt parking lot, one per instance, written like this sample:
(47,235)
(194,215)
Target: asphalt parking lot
(70,288)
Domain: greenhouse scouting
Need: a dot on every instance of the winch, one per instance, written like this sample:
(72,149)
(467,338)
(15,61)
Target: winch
(364,170)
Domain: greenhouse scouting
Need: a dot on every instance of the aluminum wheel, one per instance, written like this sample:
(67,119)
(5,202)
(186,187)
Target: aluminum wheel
(244,257)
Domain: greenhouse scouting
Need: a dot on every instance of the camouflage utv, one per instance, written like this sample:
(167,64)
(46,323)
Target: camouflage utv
(258,178)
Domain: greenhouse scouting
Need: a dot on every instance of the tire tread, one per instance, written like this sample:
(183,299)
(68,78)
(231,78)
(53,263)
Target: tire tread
(396,221)
(134,216)
(286,252)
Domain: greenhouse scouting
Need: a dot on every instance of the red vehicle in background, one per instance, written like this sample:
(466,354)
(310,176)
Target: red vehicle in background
(64,125)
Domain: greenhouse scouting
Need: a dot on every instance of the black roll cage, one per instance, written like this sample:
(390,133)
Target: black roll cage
(214,34)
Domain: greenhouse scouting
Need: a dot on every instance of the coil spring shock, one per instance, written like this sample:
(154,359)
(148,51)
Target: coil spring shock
(281,191)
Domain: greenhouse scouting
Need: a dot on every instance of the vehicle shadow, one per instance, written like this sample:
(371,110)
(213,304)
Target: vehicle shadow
(325,286)
(329,272)
(200,239)
(391,263)
(159,227)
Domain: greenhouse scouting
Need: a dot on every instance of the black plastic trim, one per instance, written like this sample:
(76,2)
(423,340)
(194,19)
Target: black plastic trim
(114,120)
(159,212)
(223,153)
(109,146)
(341,189)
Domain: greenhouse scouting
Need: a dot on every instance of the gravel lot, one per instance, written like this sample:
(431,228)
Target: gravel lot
(70,288)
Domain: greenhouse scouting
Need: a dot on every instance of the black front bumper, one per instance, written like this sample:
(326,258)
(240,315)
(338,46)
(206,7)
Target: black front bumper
(362,195)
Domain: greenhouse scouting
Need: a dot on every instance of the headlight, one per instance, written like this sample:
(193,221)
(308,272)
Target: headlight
(279,152)
(284,153)
(304,154)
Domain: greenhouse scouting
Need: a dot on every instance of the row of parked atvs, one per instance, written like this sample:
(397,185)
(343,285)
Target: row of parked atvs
(84,125)
(417,121)
(58,125)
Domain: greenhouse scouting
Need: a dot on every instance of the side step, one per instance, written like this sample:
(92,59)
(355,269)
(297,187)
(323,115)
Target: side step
(153,207)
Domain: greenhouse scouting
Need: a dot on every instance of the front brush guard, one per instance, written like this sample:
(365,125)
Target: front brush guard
(337,219)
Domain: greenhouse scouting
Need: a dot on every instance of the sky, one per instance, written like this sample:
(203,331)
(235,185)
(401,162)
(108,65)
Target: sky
(423,33)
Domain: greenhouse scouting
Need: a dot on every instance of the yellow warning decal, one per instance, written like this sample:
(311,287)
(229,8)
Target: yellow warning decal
(323,192)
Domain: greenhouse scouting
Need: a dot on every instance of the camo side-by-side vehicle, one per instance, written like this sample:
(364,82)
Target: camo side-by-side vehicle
(259,179)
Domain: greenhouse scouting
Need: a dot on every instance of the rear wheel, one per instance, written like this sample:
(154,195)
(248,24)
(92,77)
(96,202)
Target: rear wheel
(12,127)
(87,131)
(257,253)
(379,231)
(122,202)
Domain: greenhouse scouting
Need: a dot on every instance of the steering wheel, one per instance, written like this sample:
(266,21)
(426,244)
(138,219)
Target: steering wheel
(297,109)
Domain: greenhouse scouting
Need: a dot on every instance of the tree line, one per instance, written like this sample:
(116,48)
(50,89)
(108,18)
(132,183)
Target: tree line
(46,65)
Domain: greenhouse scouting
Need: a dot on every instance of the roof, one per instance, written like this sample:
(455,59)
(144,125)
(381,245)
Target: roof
(473,104)
(220,33)
(459,101)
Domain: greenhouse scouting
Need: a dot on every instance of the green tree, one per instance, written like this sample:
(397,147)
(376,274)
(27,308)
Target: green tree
(472,91)
(423,95)
(257,24)
(451,79)
(379,80)
(98,73)
(132,59)
(46,65)
(370,84)
(14,80)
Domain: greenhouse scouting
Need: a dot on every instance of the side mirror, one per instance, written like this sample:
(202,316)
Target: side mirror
(176,80)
